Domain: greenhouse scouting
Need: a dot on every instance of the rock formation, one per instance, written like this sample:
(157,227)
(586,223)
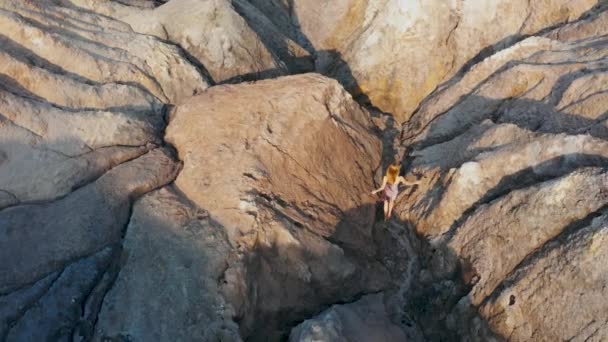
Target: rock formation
(397,52)
(200,170)
(288,178)
(363,320)
(513,158)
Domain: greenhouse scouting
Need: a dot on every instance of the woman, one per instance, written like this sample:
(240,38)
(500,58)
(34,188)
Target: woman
(390,185)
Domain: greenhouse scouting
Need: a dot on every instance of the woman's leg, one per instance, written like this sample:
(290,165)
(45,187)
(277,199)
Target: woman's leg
(391,203)
(385,210)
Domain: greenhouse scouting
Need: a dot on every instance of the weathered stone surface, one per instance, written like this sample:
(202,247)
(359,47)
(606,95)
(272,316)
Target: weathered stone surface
(170,284)
(397,52)
(82,223)
(232,40)
(505,123)
(54,314)
(288,179)
(271,221)
(558,292)
(15,304)
(596,25)
(47,152)
(498,236)
(296,58)
(361,321)
(96,55)
(513,158)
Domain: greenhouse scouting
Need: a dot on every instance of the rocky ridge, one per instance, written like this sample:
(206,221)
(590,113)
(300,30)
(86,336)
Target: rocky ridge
(145,195)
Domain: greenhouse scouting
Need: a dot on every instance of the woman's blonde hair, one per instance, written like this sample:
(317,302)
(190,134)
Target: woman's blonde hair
(393,173)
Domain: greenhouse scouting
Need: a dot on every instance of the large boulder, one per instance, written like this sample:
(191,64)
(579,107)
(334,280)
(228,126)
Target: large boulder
(362,321)
(285,166)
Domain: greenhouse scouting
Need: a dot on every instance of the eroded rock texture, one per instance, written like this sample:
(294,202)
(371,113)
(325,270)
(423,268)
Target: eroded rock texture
(397,52)
(83,99)
(364,320)
(168,288)
(513,157)
(274,174)
(232,40)
(146,196)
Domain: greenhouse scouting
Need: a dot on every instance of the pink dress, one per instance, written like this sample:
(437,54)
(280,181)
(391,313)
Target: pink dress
(391,191)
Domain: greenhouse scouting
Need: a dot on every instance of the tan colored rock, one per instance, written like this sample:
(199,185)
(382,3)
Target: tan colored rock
(490,174)
(521,107)
(47,152)
(512,157)
(296,58)
(96,55)
(498,236)
(535,82)
(558,292)
(63,90)
(232,41)
(287,177)
(596,25)
(397,52)
(270,220)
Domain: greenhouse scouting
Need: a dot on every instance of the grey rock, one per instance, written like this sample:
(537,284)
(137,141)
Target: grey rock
(360,321)
(170,285)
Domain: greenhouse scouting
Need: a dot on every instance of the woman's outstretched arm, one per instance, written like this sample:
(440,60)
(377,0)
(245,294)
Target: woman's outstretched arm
(404,182)
(381,188)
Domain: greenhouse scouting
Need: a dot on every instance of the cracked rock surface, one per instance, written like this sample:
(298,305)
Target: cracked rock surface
(200,170)
(513,159)
(272,174)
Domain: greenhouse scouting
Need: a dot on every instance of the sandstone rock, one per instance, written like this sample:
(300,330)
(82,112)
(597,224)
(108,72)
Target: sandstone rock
(80,224)
(557,292)
(47,152)
(505,128)
(59,89)
(170,286)
(233,41)
(270,221)
(512,156)
(295,57)
(507,230)
(396,52)
(552,85)
(493,173)
(287,178)
(363,320)
(595,25)
(86,51)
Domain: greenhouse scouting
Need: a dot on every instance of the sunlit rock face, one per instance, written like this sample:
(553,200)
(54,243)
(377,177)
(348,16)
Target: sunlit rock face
(397,52)
(513,157)
(174,170)
(274,174)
